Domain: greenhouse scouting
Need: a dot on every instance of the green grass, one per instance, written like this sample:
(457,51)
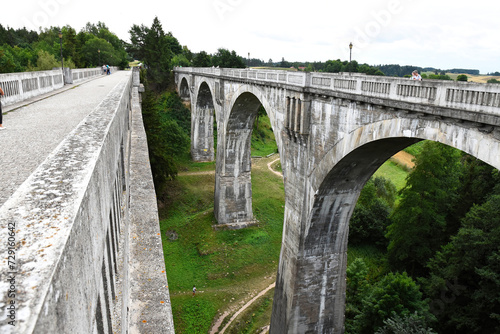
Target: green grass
(216,261)
(263,140)
(415,149)
(394,172)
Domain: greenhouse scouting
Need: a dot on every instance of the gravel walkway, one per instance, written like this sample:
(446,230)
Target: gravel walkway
(35,128)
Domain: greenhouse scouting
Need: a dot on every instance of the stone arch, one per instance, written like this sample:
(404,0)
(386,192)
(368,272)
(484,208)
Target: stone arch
(315,300)
(233,186)
(202,121)
(271,111)
(184,92)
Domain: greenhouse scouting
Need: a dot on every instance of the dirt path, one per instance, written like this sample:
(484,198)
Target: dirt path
(219,321)
(271,169)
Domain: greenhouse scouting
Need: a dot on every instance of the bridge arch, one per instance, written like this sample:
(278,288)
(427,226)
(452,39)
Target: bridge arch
(184,92)
(320,261)
(233,185)
(203,111)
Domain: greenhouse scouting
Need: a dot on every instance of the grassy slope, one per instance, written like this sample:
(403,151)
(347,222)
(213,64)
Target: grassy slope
(227,266)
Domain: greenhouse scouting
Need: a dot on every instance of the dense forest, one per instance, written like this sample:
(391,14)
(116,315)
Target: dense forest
(439,267)
(437,240)
(22,50)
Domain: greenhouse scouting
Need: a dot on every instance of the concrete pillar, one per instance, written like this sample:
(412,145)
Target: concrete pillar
(233,184)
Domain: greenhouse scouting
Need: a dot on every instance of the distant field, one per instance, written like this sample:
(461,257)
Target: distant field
(472,78)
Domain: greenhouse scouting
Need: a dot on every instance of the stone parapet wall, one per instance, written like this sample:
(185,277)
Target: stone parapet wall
(85,252)
(470,96)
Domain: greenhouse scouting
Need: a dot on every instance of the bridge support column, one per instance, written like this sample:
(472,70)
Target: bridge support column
(311,281)
(233,206)
(233,182)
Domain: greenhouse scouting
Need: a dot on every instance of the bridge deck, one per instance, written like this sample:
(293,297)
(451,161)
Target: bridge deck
(34,128)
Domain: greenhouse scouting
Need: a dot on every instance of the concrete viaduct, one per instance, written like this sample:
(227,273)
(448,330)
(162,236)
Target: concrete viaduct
(333,132)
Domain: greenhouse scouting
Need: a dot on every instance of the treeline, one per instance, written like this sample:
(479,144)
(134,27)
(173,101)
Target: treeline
(331,66)
(395,70)
(440,272)
(22,50)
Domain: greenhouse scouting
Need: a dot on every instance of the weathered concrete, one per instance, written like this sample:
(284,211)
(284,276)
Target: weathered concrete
(333,132)
(83,260)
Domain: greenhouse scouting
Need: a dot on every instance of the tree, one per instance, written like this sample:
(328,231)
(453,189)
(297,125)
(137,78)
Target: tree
(419,223)
(137,40)
(465,275)
(356,286)
(410,324)
(462,77)
(166,139)
(371,214)
(91,55)
(7,61)
(394,295)
(202,59)
(46,61)
(157,56)
(227,59)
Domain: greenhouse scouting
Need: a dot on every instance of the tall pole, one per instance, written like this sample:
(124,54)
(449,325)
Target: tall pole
(350,57)
(62,61)
(350,52)
(248,65)
(99,52)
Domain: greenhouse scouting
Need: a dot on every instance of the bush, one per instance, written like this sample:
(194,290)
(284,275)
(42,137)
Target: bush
(395,294)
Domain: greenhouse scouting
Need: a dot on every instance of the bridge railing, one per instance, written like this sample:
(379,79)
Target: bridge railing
(484,98)
(21,86)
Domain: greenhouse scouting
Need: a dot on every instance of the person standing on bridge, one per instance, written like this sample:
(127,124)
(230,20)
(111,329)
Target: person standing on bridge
(416,76)
(1,94)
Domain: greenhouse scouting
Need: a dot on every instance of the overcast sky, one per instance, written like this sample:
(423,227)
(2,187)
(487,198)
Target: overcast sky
(442,34)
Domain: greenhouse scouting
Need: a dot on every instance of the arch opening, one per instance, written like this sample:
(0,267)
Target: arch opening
(317,290)
(233,186)
(202,125)
(184,92)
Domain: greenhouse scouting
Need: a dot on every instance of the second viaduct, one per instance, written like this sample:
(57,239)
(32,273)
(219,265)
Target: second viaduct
(333,132)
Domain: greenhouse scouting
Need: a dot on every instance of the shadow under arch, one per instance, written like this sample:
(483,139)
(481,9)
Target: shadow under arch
(184,92)
(202,124)
(233,185)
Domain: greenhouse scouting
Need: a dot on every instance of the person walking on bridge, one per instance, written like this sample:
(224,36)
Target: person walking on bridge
(1,94)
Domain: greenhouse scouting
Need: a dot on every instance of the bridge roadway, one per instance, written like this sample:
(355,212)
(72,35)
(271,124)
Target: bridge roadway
(34,128)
